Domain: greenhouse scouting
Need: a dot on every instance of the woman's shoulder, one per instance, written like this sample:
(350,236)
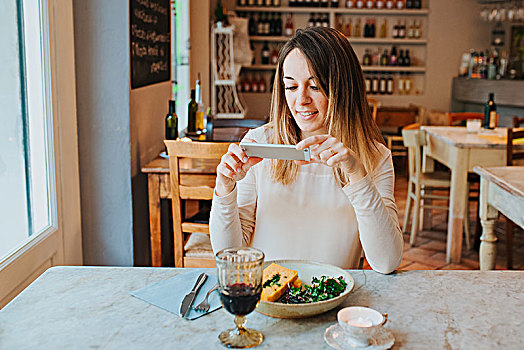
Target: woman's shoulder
(260,134)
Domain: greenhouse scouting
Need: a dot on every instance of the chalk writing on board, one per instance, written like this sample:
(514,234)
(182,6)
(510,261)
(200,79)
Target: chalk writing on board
(150,36)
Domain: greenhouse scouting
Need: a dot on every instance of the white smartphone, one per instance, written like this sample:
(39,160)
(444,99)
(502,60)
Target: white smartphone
(273,151)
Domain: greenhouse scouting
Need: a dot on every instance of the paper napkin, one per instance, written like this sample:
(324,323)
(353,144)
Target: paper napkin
(169,294)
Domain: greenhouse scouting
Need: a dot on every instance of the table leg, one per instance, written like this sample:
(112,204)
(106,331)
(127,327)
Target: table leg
(457,197)
(488,240)
(155,219)
(428,165)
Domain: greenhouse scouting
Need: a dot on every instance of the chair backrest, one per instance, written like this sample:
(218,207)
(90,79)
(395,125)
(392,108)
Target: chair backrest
(454,118)
(374,107)
(518,122)
(195,186)
(230,130)
(512,153)
(414,139)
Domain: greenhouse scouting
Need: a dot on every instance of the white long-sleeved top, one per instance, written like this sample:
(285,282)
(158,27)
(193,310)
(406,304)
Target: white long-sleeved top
(312,218)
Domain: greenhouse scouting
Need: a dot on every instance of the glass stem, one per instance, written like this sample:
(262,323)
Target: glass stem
(240,321)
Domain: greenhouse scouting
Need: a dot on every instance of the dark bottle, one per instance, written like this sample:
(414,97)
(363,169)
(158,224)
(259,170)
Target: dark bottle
(384,58)
(407,59)
(366,29)
(192,108)
(366,60)
(490,113)
(400,58)
(252,25)
(171,125)
(278,25)
(393,57)
(265,53)
(334,3)
(409,4)
(417,4)
(372,29)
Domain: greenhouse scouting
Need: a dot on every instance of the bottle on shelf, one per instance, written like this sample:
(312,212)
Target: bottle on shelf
(402,30)
(268,3)
(274,56)
(366,60)
(374,84)
(242,2)
(252,25)
(400,58)
(191,113)
(359,4)
(417,31)
(324,3)
(265,53)
(289,25)
(350,4)
(370,4)
(262,87)
(490,112)
(409,4)
(393,56)
(384,29)
(407,59)
(292,3)
(366,29)
(389,4)
(384,58)
(251,2)
(311,21)
(399,4)
(334,3)
(379,4)
(260,3)
(357,33)
(407,84)
(260,24)
(400,84)
(395,30)
(389,85)
(278,25)
(417,4)
(246,84)
(200,106)
(319,21)
(382,85)
(325,21)
(254,84)
(348,28)
(375,57)
(410,30)
(276,3)
(252,48)
(171,122)
(367,82)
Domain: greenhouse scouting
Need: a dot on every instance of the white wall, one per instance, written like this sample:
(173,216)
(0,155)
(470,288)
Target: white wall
(104,143)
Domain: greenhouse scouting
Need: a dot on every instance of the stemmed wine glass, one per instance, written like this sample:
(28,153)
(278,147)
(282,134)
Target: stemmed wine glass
(239,273)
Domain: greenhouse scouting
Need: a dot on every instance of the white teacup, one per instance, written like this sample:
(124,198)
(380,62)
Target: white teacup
(360,324)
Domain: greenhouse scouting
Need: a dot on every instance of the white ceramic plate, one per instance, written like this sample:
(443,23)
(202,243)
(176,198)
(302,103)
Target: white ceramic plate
(306,270)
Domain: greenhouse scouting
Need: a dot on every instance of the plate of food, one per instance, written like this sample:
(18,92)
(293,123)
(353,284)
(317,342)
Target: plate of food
(302,288)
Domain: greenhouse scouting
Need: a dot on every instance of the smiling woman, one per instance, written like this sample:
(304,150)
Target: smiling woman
(329,208)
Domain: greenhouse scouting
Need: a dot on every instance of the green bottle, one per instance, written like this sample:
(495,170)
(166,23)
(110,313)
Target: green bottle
(171,122)
(192,108)
(490,112)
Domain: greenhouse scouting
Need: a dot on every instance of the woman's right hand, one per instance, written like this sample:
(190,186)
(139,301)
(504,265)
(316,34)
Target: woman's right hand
(233,167)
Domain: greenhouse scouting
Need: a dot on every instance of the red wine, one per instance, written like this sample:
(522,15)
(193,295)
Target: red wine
(240,298)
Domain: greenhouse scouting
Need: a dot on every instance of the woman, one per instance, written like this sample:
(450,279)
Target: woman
(331,208)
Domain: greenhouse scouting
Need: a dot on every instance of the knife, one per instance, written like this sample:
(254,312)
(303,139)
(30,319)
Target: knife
(188,299)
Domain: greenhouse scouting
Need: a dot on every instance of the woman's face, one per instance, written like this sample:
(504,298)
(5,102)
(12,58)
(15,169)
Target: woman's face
(305,100)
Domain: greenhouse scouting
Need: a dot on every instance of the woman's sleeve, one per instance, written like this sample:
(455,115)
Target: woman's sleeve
(232,220)
(377,216)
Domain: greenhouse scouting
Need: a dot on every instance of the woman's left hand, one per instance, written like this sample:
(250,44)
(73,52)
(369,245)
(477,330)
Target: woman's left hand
(327,150)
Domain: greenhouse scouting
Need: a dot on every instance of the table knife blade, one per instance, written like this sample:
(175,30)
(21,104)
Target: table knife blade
(189,298)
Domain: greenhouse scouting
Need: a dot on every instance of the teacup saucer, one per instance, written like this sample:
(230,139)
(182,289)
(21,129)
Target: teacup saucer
(336,338)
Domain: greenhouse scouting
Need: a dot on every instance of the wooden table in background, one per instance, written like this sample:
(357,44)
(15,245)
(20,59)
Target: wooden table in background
(501,189)
(159,188)
(461,151)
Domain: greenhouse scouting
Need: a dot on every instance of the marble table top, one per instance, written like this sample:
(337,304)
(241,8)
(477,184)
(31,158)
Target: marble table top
(90,307)
(459,137)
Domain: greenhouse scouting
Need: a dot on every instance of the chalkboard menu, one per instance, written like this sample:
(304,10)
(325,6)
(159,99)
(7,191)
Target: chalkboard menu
(150,35)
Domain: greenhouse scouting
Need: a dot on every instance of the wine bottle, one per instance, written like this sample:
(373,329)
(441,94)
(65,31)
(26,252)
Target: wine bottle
(400,58)
(289,26)
(171,122)
(200,106)
(393,56)
(374,84)
(490,112)
(389,88)
(265,53)
(407,59)
(191,113)
(382,85)
(384,58)
(334,3)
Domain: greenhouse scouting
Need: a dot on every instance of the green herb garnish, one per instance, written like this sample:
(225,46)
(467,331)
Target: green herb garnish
(272,281)
(320,289)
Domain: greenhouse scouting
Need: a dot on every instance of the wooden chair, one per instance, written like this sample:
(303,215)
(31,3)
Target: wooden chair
(374,107)
(414,139)
(192,247)
(512,154)
(518,122)
(462,117)
(230,130)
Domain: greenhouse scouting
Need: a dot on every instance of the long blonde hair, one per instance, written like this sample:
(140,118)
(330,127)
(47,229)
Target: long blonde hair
(337,73)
